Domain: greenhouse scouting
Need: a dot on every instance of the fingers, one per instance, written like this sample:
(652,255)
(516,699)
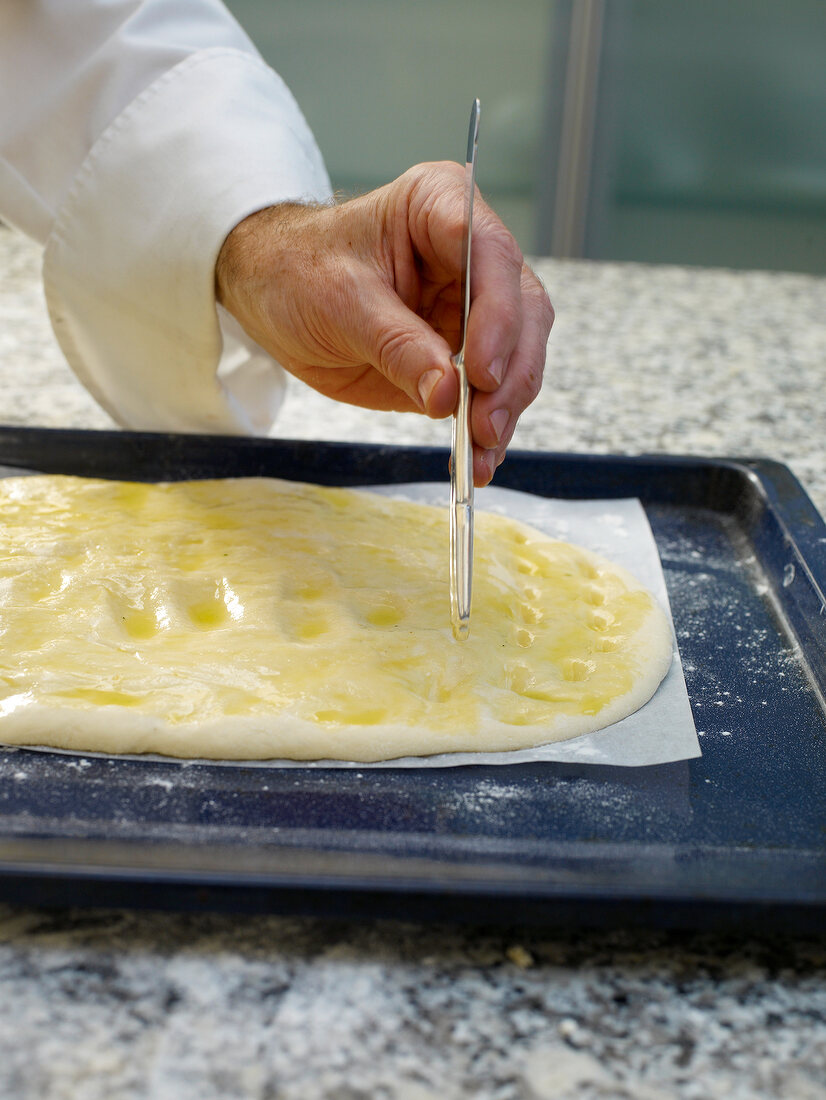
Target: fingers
(508,328)
(496,314)
(409,354)
(434,218)
(494,414)
(510,316)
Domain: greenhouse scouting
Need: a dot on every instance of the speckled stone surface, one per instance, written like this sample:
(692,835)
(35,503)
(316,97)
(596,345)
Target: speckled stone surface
(109,1005)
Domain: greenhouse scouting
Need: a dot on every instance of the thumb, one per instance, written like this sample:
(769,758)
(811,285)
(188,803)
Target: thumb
(410,354)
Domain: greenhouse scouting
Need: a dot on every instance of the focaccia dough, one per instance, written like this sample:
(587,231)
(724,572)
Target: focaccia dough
(263,619)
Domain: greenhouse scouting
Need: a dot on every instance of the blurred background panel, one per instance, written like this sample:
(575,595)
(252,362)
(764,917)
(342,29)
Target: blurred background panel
(654,130)
(709,134)
(388,83)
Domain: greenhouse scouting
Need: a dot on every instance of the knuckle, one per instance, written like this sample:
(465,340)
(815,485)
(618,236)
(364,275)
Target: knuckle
(502,241)
(531,381)
(512,251)
(431,182)
(537,295)
(535,378)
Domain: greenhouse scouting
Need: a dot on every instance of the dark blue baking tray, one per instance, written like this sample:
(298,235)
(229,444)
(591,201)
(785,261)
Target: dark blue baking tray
(735,838)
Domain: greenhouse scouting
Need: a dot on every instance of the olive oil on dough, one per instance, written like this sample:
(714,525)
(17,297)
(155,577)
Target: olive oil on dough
(254,618)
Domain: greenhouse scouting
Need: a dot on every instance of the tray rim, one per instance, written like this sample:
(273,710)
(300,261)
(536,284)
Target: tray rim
(771,476)
(314,881)
(38,876)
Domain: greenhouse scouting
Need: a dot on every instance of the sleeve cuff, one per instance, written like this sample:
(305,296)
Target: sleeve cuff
(129,268)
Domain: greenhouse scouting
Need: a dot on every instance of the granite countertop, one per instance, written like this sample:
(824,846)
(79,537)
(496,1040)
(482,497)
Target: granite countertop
(116,1004)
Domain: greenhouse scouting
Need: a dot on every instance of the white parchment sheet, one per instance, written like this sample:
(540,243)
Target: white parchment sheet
(661,732)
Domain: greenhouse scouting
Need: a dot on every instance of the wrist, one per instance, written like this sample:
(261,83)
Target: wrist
(250,250)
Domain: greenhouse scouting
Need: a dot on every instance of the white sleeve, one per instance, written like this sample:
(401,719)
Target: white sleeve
(134,134)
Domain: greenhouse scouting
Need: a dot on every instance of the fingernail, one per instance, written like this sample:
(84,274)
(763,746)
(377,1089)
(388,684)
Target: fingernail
(497,371)
(488,459)
(427,384)
(499,421)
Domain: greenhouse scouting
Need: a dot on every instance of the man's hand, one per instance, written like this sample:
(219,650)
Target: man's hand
(362,302)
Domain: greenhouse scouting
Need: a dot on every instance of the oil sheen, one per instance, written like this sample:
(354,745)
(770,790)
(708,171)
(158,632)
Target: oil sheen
(255,606)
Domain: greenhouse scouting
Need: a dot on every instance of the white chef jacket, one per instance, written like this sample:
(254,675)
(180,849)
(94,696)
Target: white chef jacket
(134,134)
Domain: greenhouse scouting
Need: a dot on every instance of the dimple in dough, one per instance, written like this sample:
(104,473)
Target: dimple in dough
(254,618)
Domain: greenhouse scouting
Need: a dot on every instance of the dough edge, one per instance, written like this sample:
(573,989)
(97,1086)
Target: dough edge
(287,737)
(240,738)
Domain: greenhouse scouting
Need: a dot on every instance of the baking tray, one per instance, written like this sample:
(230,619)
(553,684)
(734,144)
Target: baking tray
(734,838)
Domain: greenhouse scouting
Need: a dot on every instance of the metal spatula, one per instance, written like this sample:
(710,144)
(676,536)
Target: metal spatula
(461,454)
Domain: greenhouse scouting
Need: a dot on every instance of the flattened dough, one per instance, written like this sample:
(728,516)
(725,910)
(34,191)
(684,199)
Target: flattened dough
(264,619)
